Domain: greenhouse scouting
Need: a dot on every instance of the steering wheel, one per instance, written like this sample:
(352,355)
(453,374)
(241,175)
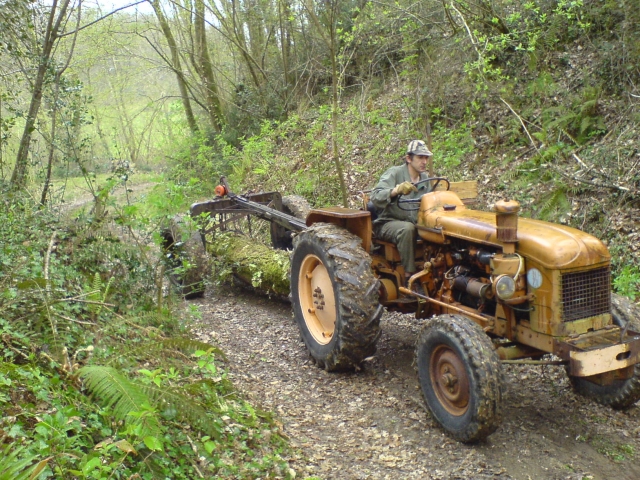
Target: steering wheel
(435,185)
(413,201)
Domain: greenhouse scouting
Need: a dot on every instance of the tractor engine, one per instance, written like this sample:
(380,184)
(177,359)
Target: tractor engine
(548,278)
(475,278)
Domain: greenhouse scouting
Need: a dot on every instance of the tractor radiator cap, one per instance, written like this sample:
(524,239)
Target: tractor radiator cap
(507,206)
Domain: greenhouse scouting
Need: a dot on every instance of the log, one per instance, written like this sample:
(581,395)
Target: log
(185,259)
(262,267)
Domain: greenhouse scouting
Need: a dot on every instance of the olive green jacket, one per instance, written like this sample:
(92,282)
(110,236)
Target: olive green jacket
(386,206)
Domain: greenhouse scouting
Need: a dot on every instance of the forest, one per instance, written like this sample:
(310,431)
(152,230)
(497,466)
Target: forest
(113,120)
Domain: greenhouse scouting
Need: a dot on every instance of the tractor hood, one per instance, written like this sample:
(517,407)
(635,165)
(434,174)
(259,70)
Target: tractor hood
(553,246)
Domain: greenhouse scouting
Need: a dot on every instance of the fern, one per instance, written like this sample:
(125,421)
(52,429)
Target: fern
(96,295)
(122,395)
(182,345)
(125,397)
(509,174)
(575,189)
(557,200)
(186,409)
(12,467)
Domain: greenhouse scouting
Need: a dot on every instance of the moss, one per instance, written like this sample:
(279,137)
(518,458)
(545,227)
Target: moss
(263,267)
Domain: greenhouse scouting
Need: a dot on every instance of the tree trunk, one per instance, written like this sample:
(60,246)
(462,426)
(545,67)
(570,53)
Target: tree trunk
(332,43)
(126,123)
(52,146)
(255,28)
(1,144)
(334,114)
(205,69)
(19,176)
(54,116)
(175,65)
(284,10)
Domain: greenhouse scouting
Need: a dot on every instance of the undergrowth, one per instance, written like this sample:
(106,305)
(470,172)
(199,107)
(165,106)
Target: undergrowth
(99,377)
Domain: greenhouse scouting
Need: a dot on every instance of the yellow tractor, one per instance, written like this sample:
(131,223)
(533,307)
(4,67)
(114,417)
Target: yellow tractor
(492,287)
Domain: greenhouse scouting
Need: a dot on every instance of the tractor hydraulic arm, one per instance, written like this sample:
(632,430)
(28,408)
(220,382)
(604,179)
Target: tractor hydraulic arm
(250,204)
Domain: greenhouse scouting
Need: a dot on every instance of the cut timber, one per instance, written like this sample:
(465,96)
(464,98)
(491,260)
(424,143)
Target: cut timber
(255,264)
(467,190)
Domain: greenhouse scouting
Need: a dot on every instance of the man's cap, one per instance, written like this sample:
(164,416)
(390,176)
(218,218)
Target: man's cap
(418,147)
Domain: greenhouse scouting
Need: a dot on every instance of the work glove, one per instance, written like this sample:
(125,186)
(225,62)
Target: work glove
(405,188)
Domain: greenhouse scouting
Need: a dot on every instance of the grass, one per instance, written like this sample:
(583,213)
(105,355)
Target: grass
(618,452)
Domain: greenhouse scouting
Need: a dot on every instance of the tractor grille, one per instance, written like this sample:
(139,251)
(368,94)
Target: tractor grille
(586,294)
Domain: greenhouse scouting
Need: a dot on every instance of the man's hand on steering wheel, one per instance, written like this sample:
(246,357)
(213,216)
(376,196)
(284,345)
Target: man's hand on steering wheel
(404,188)
(414,188)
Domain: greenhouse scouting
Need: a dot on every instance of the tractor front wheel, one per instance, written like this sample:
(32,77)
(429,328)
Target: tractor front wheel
(460,376)
(335,297)
(620,394)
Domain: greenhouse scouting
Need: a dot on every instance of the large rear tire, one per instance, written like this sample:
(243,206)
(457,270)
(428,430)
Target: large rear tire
(620,394)
(335,297)
(459,372)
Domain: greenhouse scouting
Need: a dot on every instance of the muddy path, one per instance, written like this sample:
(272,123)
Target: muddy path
(372,424)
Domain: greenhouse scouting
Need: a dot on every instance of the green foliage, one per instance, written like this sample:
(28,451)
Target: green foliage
(60,298)
(201,158)
(499,31)
(122,396)
(452,144)
(580,122)
(618,452)
(627,282)
(17,464)
(554,203)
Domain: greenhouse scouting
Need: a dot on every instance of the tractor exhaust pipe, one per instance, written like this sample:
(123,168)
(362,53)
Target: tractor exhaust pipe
(507,224)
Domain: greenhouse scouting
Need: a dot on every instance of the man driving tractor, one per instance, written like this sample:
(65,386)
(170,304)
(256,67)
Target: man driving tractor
(394,223)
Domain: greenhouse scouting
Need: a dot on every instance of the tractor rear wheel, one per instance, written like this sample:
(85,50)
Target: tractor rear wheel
(620,394)
(459,372)
(335,297)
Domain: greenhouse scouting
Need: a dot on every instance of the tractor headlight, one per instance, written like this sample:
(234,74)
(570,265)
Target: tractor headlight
(505,287)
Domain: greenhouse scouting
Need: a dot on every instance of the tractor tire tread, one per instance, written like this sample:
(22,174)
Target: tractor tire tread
(484,371)
(356,290)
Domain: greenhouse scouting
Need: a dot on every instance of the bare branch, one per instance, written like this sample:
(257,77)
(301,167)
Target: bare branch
(100,19)
(521,123)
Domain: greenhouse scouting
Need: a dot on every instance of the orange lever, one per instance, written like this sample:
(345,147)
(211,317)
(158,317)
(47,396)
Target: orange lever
(221,191)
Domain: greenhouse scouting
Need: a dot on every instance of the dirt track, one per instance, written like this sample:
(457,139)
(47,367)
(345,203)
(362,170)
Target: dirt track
(372,424)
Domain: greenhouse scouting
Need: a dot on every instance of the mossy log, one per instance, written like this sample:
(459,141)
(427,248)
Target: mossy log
(262,267)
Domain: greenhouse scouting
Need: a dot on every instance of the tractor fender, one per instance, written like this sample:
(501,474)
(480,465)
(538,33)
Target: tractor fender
(357,222)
